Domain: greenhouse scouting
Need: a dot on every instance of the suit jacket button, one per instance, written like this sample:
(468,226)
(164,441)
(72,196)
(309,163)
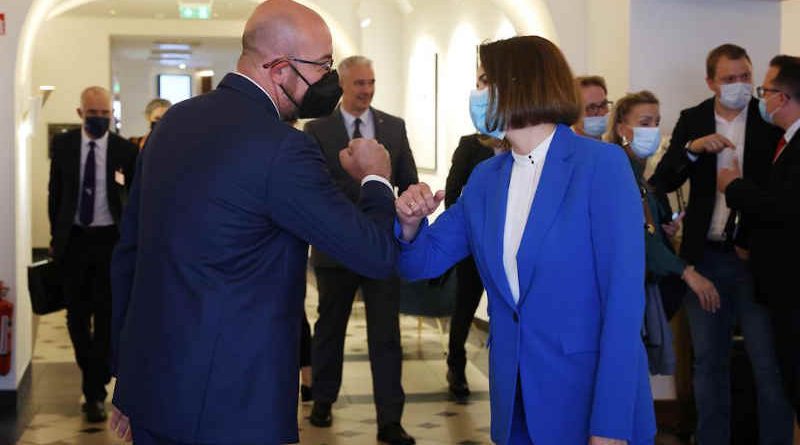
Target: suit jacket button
(516,318)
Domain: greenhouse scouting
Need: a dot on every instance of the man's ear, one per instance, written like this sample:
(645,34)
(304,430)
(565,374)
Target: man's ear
(710,84)
(80,113)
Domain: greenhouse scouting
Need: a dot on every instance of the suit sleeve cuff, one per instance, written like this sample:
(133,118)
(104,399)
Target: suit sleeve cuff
(380,179)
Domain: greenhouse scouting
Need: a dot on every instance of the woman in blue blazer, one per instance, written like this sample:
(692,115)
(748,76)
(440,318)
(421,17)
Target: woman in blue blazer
(555,228)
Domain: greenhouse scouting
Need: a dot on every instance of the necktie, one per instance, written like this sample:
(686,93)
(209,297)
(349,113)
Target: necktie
(87,188)
(357,131)
(781,144)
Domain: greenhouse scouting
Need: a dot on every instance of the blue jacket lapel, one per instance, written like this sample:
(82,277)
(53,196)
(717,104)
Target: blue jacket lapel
(495,225)
(549,195)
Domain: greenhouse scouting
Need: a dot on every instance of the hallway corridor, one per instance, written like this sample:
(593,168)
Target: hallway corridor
(430,415)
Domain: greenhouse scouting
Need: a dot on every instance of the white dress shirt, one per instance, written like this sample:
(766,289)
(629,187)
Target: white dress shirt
(525,175)
(363,181)
(733,130)
(102,214)
(367,126)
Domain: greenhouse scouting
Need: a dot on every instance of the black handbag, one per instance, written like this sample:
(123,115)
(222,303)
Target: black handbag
(45,287)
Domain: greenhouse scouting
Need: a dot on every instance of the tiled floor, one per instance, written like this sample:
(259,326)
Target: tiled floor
(430,415)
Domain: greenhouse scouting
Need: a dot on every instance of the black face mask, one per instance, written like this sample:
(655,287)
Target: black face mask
(96,126)
(320,99)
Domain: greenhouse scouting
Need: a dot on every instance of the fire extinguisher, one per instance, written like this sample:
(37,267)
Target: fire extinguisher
(6,314)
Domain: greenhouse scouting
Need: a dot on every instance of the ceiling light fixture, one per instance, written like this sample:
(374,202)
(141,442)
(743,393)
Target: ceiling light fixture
(365,22)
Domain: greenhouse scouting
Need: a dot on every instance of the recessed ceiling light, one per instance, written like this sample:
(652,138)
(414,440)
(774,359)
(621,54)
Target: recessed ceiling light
(182,66)
(366,22)
(171,46)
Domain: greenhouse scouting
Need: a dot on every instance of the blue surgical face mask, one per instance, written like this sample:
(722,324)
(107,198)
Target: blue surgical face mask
(646,141)
(595,126)
(735,96)
(479,111)
(762,108)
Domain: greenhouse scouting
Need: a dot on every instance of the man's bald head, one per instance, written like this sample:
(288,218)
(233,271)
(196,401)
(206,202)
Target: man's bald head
(281,27)
(95,95)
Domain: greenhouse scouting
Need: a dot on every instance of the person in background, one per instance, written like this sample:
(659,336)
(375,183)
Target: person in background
(90,175)
(471,151)
(706,139)
(776,204)
(634,126)
(554,227)
(594,99)
(356,118)
(153,112)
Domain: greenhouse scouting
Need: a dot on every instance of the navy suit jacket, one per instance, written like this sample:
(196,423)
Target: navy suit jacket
(209,275)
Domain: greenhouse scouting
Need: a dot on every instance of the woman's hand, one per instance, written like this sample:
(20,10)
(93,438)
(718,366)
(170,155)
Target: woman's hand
(413,205)
(704,289)
(594,440)
(671,228)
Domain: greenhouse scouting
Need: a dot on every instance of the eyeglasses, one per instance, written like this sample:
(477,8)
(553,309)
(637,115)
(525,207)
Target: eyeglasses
(326,65)
(760,91)
(599,107)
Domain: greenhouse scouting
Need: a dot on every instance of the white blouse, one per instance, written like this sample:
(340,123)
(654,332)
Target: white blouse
(525,175)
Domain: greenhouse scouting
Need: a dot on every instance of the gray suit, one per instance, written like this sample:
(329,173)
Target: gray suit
(337,286)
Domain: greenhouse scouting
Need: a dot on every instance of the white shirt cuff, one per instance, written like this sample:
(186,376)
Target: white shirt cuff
(379,179)
(692,157)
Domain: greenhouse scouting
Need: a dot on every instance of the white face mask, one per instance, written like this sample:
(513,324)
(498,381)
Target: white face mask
(735,95)
(646,141)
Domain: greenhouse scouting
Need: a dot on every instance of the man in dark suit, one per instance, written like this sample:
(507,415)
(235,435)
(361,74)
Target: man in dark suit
(209,274)
(337,284)
(90,171)
(775,205)
(715,240)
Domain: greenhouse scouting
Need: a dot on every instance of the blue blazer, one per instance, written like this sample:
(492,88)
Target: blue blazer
(574,337)
(209,275)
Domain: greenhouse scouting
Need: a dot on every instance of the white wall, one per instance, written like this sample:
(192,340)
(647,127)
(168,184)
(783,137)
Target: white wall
(14,183)
(790,32)
(453,33)
(669,41)
(382,42)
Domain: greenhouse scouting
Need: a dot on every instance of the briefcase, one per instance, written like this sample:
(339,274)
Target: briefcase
(44,285)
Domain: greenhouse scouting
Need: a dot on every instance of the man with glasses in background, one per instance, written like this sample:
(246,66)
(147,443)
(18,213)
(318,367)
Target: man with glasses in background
(708,138)
(776,203)
(594,97)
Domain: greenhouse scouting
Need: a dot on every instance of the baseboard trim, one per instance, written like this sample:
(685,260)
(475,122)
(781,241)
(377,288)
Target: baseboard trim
(16,408)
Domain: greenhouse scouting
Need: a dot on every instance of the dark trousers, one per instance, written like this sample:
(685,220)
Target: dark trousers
(87,289)
(469,291)
(337,288)
(712,335)
(305,342)
(786,326)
